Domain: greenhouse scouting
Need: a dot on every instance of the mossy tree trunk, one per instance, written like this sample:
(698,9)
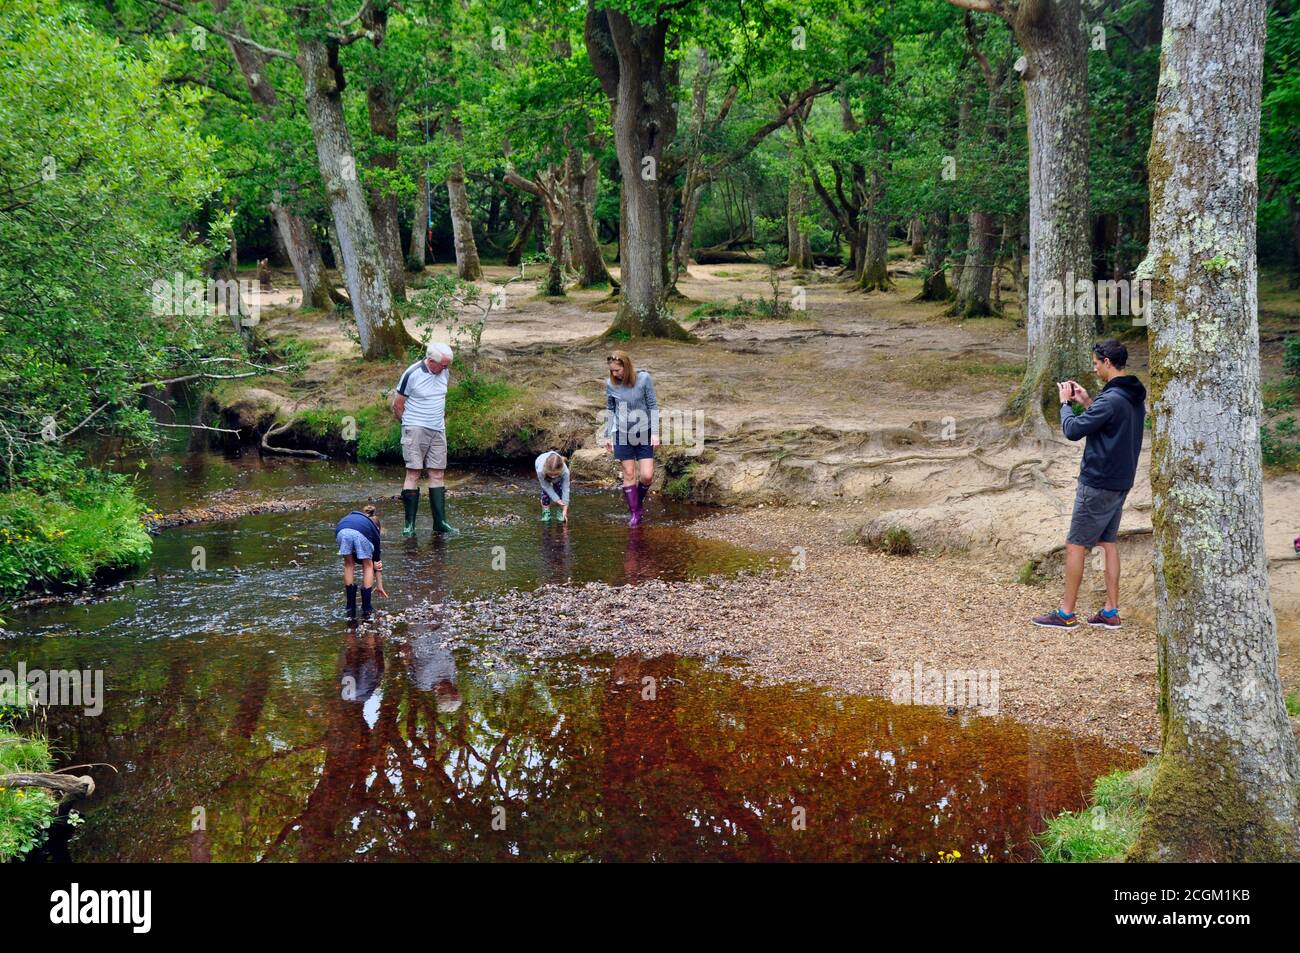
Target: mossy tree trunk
(1055,76)
(1054,71)
(462,225)
(973,292)
(582,177)
(1227,785)
(798,247)
(638,74)
(379,329)
(935,287)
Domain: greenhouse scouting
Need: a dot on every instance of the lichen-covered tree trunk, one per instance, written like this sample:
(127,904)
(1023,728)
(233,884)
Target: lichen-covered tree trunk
(1054,70)
(462,225)
(974,289)
(380,332)
(798,247)
(637,73)
(873,274)
(1227,787)
(419,222)
(935,286)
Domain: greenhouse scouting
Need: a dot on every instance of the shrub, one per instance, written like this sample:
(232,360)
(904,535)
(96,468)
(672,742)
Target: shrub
(65,537)
(894,541)
(25,813)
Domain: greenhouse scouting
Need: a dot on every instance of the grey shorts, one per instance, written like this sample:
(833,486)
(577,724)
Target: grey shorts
(353,543)
(424,449)
(1096,516)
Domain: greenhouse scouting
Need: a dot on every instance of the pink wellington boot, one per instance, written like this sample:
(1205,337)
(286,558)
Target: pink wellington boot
(633,505)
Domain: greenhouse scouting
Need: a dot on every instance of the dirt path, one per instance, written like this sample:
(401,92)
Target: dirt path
(883,412)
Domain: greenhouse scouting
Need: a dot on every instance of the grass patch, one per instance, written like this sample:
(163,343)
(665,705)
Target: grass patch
(740,308)
(680,486)
(64,538)
(1107,828)
(1293,704)
(942,372)
(1028,574)
(25,813)
(894,541)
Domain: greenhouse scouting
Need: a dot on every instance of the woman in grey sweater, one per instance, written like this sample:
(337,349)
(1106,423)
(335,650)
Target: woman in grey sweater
(631,428)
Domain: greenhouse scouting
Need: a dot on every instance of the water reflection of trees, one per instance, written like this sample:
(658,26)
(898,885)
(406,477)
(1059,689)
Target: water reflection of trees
(583,762)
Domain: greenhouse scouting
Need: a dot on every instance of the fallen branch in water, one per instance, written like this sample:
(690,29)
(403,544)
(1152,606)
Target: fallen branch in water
(285,451)
(65,784)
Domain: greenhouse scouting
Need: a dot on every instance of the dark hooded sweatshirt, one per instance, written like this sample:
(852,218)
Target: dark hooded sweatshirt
(1113,426)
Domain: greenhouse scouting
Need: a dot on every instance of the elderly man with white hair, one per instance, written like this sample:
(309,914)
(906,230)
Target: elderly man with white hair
(421,399)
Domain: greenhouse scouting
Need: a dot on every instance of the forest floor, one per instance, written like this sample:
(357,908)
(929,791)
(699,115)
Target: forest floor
(862,413)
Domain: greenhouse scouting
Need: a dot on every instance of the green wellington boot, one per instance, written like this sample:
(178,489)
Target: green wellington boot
(411,504)
(438,504)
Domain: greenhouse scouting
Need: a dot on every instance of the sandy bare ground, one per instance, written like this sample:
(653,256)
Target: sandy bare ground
(885,413)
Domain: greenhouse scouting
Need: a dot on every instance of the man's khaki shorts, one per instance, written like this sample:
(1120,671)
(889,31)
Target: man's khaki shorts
(424,449)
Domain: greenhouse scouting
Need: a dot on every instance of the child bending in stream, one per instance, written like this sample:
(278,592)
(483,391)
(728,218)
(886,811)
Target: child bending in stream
(553,476)
(358,538)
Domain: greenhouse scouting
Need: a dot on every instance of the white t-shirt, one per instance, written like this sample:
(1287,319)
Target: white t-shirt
(426,396)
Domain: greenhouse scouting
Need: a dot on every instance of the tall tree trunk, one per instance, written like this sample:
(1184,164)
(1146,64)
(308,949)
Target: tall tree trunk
(462,226)
(798,248)
(916,236)
(874,274)
(581,182)
(419,223)
(382,109)
(637,73)
(304,254)
(1054,70)
(935,286)
(380,332)
(295,234)
(515,252)
(1227,787)
(976,283)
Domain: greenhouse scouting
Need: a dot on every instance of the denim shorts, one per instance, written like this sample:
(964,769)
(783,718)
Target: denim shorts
(1096,515)
(633,451)
(354,543)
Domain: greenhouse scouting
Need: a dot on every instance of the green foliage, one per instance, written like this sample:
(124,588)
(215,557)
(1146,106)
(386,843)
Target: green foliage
(741,308)
(25,813)
(476,412)
(894,541)
(1107,829)
(69,533)
(1278,444)
(379,434)
(679,487)
(1028,574)
(101,167)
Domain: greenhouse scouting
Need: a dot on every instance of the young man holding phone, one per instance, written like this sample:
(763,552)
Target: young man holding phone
(1113,424)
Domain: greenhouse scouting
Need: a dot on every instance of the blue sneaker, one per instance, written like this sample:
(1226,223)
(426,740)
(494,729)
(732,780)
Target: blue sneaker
(1056,619)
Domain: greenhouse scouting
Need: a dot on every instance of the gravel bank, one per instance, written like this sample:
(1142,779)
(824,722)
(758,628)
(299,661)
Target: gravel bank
(850,619)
